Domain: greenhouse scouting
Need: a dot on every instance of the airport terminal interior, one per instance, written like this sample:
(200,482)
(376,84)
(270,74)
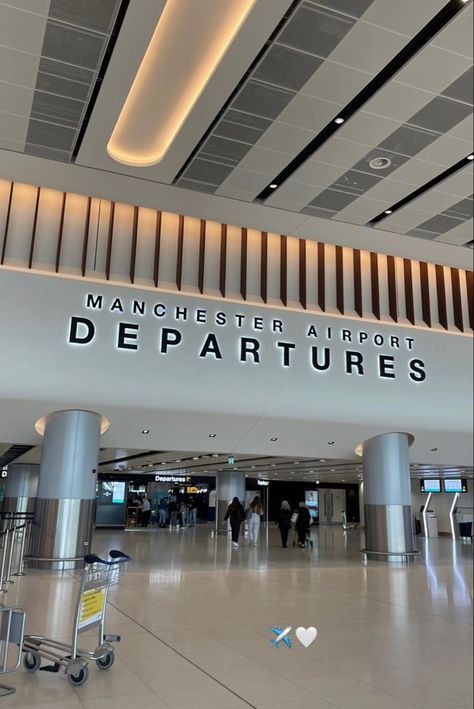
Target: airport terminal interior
(236,364)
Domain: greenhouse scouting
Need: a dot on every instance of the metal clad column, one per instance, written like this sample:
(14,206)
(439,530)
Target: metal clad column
(67,489)
(21,488)
(228,485)
(387,497)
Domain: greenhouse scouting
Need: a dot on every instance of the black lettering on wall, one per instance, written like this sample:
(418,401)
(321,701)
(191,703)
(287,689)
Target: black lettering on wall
(286,347)
(417,370)
(169,338)
(354,359)
(116,305)
(75,336)
(94,301)
(315,359)
(127,331)
(386,366)
(211,346)
(249,346)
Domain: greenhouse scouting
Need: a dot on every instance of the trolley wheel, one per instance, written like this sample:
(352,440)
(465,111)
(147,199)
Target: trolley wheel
(77,674)
(106,662)
(32,661)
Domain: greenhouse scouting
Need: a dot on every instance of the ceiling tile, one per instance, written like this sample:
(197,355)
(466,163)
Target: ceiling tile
(308,112)
(18,67)
(15,99)
(71,45)
(50,135)
(458,184)
(380,46)
(463,88)
(245,180)
(440,114)
(97,16)
(365,127)
(433,202)
(298,193)
(39,7)
(408,140)
(207,171)
(408,217)
(389,191)
(445,151)
(285,138)
(13,127)
(343,153)
(458,37)
(396,160)
(398,101)
(332,199)
(336,82)
(354,8)
(287,67)
(229,152)
(315,30)
(262,99)
(459,235)
(314,172)
(420,70)
(463,130)
(270,162)
(365,207)
(21,30)
(8,144)
(403,16)
(416,172)
(356,183)
(439,224)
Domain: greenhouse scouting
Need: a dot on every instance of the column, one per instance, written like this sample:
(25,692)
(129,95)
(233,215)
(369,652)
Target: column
(65,509)
(21,488)
(228,485)
(387,497)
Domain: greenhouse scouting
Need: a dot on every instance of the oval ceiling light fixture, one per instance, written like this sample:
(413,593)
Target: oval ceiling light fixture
(170,80)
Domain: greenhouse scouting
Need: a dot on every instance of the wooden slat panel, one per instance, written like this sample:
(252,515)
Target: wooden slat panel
(302,273)
(457,302)
(321,277)
(470,297)
(441,295)
(60,232)
(202,254)
(243,263)
(110,239)
(339,279)
(156,265)
(7,222)
(133,250)
(425,293)
(179,256)
(223,259)
(392,288)
(33,229)
(357,283)
(283,269)
(85,241)
(264,266)
(374,283)
(408,281)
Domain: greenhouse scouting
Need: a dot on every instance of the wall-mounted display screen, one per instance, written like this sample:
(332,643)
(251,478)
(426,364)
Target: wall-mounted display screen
(455,485)
(118,493)
(430,485)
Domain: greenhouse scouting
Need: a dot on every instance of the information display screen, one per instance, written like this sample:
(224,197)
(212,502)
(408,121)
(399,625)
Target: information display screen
(311,499)
(118,493)
(430,485)
(455,485)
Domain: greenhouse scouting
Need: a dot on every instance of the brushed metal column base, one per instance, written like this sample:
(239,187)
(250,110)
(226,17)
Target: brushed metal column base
(388,533)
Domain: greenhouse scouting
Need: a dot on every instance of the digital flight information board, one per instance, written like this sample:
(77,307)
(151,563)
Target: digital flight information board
(430,485)
(455,485)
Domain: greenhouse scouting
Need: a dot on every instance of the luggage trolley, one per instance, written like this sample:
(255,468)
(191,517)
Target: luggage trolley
(98,576)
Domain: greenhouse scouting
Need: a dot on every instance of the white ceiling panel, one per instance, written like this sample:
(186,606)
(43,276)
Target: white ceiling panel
(245,180)
(367,128)
(21,30)
(15,99)
(309,113)
(445,151)
(458,37)
(18,67)
(266,161)
(39,7)
(285,138)
(461,183)
(435,202)
(404,16)
(340,152)
(298,194)
(379,47)
(13,127)
(336,82)
(420,71)
(314,172)
(459,235)
(364,207)
(389,191)
(398,101)
(464,130)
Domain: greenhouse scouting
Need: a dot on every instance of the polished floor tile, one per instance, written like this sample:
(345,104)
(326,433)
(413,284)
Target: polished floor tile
(195,619)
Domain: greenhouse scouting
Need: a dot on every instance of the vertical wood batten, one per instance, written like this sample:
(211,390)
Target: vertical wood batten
(133,251)
(425,293)
(156,264)
(283,269)
(33,228)
(392,288)
(110,239)
(7,222)
(60,233)
(179,255)
(243,262)
(470,297)
(223,259)
(264,266)
(457,302)
(441,296)
(357,283)
(202,253)
(85,240)
(302,272)
(409,301)
(374,284)
(321,277)
(340,279)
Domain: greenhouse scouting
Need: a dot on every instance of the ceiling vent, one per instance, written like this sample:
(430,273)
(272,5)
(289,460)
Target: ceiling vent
(380,163)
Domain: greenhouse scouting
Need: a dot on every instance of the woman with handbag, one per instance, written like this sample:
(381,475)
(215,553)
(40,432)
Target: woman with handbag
(284,522)
(236,515)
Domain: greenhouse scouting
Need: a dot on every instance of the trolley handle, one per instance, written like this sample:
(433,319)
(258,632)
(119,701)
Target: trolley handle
(116,557)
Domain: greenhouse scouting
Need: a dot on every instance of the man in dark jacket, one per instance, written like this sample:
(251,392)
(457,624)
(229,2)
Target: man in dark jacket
(236,515)
(303,523)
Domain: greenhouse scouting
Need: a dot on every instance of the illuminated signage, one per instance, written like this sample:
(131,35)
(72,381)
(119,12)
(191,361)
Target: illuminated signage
(263,483)
(318,340)
(455,485)
(4,471)
(175,479)
(430,485)
(118,492)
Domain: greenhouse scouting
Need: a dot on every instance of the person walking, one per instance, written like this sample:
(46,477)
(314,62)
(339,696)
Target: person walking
(284,522)
(253,518)
(303,523)
(192,514)
(183,511)
(236,515)
(173,512)
(146,511)
(162,510)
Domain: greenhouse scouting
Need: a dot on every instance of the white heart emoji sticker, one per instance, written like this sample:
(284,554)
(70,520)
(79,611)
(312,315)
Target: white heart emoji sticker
(306,636)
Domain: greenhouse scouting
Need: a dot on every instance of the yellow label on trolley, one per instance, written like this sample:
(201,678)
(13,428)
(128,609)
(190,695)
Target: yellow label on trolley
(92,607)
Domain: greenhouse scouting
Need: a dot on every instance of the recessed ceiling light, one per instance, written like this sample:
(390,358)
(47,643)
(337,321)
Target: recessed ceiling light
(195,457)
(296,462)
(275,438)
(339,120)
(179,460)
(333,470)
(471,156)
(331,443)
(317,482)
(273,465)
(388,211)
(311,471)
(273,186)
(146,430)
(433,450)
(212,435)
(343,480)
(322,460)
(215,455)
